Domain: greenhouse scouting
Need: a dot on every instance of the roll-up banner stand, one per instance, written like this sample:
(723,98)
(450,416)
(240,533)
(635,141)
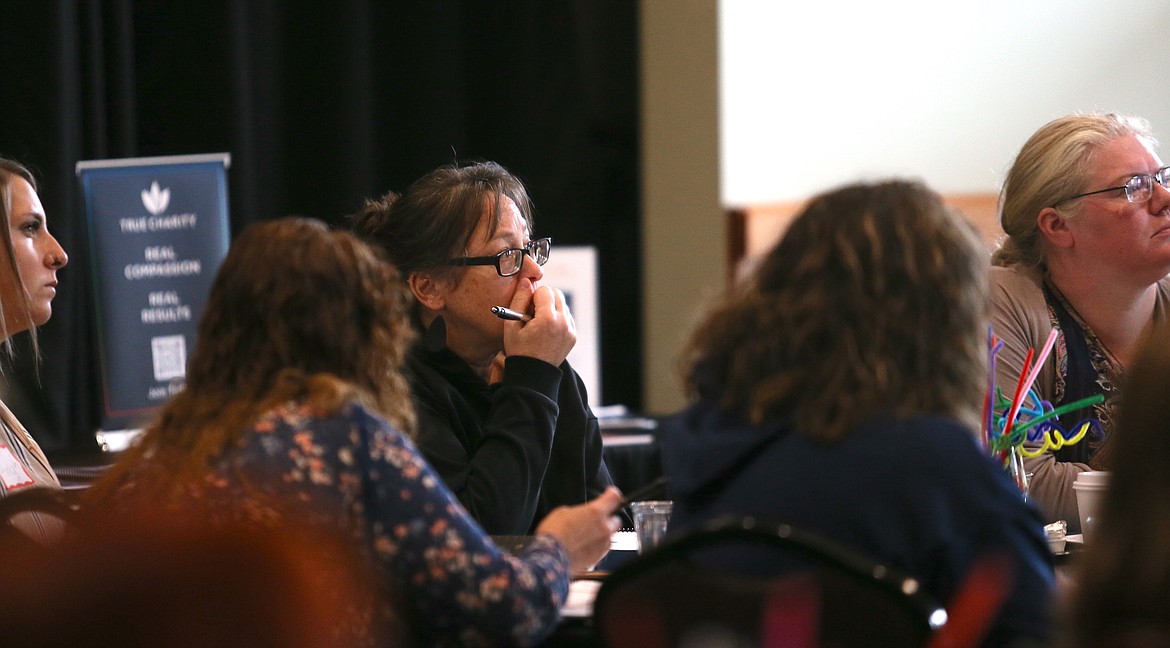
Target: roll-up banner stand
(158,232)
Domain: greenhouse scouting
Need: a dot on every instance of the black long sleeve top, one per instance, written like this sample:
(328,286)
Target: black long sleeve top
(513,451)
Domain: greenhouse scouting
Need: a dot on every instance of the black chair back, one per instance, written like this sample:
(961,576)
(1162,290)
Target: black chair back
(670,596)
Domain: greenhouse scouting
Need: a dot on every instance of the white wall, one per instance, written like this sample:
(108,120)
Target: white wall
(749,101)
(815,94)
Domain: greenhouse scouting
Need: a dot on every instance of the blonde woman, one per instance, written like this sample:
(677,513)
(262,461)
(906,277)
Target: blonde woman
(28,284)
(1087,216)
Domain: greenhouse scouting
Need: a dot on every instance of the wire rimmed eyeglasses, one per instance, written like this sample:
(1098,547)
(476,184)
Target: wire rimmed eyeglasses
(1137,189)
(510,261)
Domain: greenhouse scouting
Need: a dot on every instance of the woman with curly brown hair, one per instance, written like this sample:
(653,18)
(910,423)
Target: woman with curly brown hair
(839,388)
(295,408)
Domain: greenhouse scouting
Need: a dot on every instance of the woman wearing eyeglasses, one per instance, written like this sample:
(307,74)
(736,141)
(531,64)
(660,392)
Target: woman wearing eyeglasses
(502,416)
(1087,216)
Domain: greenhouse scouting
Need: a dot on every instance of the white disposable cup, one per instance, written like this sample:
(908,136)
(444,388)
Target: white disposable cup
(650,521)
(1090,489)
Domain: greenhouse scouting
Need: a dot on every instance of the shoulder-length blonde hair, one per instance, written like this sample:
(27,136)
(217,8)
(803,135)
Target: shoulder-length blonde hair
(10,170)
(1053,164)
(296,312)
(872,301)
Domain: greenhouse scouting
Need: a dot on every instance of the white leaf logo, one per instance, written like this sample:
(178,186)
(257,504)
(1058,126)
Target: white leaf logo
(156,200)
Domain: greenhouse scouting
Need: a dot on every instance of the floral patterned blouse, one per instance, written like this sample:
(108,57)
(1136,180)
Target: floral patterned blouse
(362,474)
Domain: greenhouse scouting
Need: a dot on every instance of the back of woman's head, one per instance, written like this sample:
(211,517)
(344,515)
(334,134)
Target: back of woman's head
(434,219)
(194,576)
(294,297)
(1124,577)
(296,313)
(872,301)
(1053,164)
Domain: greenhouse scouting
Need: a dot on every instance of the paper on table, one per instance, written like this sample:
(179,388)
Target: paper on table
(627,424)
(583,590)
(580,601)
(623,541)
(615,440)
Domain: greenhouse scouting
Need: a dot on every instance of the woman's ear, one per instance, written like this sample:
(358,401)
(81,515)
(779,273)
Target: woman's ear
(427,290)
(1054,228)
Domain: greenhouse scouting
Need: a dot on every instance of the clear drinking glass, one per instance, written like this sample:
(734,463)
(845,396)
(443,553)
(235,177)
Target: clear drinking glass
(650,520)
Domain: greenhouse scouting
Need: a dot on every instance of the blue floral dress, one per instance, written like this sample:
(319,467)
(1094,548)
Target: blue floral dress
(362,475)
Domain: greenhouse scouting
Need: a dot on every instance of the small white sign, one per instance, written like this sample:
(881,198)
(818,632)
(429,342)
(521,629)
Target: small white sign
(573,270)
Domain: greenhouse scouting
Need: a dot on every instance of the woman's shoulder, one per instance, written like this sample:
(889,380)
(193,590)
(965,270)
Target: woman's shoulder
(937,453)
(934,428)
(1015,279)
(1017,298)
(923,439)
(345,423)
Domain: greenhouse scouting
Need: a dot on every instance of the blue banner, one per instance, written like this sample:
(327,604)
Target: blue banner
(158,232)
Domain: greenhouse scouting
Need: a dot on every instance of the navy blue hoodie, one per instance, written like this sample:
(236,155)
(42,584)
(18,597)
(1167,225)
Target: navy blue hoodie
(917,493)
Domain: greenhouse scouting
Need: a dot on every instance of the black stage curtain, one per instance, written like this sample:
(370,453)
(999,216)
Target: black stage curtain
(322,105)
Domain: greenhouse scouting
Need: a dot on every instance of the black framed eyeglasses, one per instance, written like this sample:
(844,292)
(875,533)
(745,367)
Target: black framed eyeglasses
(510,261)
(1137,189)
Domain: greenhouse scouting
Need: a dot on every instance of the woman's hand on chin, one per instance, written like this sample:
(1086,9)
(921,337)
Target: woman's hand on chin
(550,334)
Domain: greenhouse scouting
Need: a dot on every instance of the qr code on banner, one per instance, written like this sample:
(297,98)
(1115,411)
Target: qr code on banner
(169,353)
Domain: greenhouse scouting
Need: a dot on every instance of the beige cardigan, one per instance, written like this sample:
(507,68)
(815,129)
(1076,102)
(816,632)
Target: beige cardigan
(12,433)
(1019,317)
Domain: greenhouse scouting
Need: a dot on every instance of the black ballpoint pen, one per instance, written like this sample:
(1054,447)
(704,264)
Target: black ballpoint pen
(509,314)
